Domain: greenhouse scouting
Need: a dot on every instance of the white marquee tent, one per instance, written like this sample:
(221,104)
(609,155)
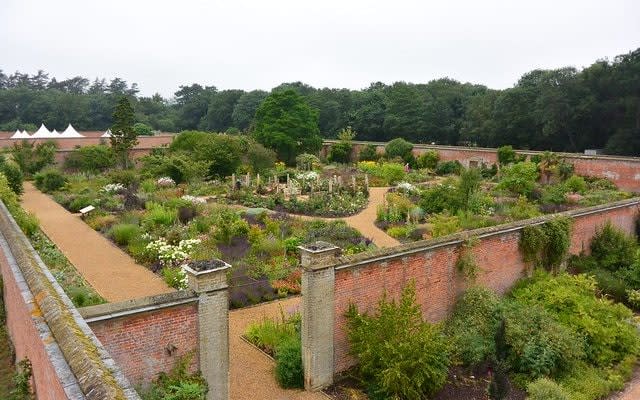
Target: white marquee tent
(70,132)
(107,133)
(20,135)
(43,133)
(55,133)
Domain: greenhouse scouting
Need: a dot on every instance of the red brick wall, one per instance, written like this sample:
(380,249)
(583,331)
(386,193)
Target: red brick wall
(138,343)
(21,324)
(437,281)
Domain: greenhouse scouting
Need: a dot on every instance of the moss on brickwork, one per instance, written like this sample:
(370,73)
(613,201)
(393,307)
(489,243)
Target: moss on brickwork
(94,377)
(6,354)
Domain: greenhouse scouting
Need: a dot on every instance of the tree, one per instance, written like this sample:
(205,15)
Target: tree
(285,123)
(398,148)
(142,129)
(123,136)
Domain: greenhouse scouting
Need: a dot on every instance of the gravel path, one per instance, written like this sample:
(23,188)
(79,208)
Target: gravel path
(251,370)
(109,270)
(364,220)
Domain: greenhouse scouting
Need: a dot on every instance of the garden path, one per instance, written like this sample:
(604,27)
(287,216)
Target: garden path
(631,390)
(108,269)
(364,221)
(250,370)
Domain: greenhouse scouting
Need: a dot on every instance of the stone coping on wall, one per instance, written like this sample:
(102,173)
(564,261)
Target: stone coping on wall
(96,372)
(403,250)
(493,150)
(107,311)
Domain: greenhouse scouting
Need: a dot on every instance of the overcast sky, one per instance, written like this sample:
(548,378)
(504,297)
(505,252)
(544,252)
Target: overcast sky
(335,43)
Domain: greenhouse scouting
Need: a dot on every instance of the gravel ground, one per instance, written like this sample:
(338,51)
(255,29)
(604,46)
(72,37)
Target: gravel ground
(108,269)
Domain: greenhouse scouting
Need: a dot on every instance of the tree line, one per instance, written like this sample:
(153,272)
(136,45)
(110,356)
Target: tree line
(563,109)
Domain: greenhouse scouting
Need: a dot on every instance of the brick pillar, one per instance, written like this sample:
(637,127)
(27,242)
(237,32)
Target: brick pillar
(213,323)
(317,313)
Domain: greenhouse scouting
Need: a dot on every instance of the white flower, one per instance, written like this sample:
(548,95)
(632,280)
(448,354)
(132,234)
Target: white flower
(193,199)
(406,186)
(166,181)
(112,188)
(307,176)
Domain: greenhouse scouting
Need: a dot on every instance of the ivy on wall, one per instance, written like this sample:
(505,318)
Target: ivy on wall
(546,245)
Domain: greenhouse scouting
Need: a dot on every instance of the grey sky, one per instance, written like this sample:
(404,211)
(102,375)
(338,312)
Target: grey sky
(336,43)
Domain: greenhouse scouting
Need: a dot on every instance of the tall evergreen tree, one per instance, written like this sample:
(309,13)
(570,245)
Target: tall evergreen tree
(123,136)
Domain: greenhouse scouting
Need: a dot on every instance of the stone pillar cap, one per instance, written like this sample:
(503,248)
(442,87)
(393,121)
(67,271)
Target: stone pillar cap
(318,247)
(205,267)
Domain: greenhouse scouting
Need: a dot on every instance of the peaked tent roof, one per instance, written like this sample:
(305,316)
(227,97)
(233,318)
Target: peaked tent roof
(107,133)
(43,132)
(70,132)
(55,133)
(25,133)
(17,135)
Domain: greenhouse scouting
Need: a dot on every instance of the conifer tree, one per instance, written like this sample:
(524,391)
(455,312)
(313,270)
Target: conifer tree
(123,136)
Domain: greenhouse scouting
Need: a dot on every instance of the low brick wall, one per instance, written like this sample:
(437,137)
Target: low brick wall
(623,171)
(68,360)
(148,336)
(362,279)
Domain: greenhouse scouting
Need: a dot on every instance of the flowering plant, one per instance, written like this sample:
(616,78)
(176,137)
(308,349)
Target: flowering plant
(193,199)
(112,188)
(165,181)
(307,176)
(171,255)
(406,187)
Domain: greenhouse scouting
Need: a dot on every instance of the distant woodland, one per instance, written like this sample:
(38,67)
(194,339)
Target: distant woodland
(563,109)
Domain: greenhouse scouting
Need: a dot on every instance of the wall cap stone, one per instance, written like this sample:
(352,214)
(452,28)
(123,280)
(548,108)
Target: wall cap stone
(135,306)
(389,253)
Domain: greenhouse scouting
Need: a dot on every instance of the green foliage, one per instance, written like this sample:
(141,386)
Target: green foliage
(519,178)
(368,153)
(340,152)
(285,123)
(178,384)
(158,214)
(123,234)
(571,300)
(539,345)
(522,209)
(546,389)
(547,244)
(128,178)
(22,381)
(401,355)
(123,136)
(142,129)
(612,248)
(466,263)
(473,325)
(50,180)
(14,176)
(399,232)
(180,167)
(443,225)
(259,157)
(439,197)
(468,186)
(222,153)
(33,157)
(506,155)
(449,168)
(398,148)
(174,277)
(429,159)
(289,372)
(92,159)
(576,184)
(307,162)
(188,141)
(27,222)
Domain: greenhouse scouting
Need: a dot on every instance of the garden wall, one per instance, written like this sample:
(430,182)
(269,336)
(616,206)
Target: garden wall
(68,360)
(148,336)
(623,171)
(363,278)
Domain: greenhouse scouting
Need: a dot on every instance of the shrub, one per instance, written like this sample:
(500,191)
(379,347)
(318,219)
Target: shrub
(392,173)
(14,176)
(122,234)
(398,147)
(368,153)
(506,155)
(576,184)
(340,152)
(93,159)
(612,248)
(399,232)
(522,209)
(142,129)
(519,178)
(289,372)
(428,159)
(571,300)
(439,198)
(443,225)
(178,384)
(259,157)
(32,158)
(400,354)
(49,180)
(449,168)
(538,345)
(174,277)
(159,215)
(473,325)
(547,244)
(126,177)
(546,389)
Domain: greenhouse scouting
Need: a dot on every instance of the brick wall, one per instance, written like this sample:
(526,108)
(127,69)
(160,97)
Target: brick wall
(147,343)
(22,318)
(623,171)
(363,280)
